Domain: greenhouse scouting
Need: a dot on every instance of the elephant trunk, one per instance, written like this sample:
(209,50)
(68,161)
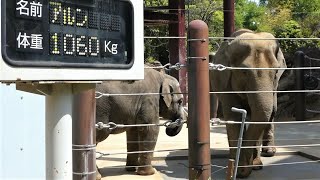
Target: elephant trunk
(181,115)
(262,109)
(262,106)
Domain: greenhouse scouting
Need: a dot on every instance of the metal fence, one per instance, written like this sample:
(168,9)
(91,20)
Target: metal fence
(217,122)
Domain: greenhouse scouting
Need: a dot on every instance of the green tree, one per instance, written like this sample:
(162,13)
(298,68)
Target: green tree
(305,13)
(211,12)
(155,49)
(284,18)
(249,14)
(274,19)
(290,29)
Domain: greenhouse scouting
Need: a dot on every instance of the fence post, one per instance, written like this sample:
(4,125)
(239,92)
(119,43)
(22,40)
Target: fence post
(300,103)
(228,16)
(198,102)
(84,135)
(177,46)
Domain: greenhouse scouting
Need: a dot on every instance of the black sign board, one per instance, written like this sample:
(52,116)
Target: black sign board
(67,33)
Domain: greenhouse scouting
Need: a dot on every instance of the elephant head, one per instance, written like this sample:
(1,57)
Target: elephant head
(248,50)
(171,103)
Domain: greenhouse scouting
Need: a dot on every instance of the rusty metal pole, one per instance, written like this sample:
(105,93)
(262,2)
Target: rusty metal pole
(84,137)
(300,103)
(177,46)
(199,105)
(230,169)
(228,15)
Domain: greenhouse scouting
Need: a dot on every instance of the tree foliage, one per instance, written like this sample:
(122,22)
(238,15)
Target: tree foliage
(283,18)
(289,29)
(156,49)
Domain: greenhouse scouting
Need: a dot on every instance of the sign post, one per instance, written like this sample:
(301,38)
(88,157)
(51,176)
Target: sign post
(58,133)
(58,48)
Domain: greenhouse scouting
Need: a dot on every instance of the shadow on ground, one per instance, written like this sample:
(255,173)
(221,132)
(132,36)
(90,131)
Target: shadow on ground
(282,167)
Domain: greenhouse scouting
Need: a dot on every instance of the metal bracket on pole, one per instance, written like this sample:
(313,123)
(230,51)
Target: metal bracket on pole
(244,115)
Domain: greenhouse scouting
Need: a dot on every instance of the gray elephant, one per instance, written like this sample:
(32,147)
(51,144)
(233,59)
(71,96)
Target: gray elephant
(247,51)
(140,109)
(268,149)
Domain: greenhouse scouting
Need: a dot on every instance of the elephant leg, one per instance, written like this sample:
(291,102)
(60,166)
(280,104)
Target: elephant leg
(233,131)
(132,146)
(268,135)
(268,140)
(148,138)
(251,138)
(257,163)
(98,174)
(214,102)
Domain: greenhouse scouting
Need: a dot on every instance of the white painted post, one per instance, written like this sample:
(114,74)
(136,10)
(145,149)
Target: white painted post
(59,132)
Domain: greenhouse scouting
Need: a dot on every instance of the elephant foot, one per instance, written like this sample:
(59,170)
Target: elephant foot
(244,172)
(98,175)
(130,169)
(149,170)
(131,164)
(257,164)
(268,152)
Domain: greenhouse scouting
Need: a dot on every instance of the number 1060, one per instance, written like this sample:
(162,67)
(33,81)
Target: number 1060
(74,45)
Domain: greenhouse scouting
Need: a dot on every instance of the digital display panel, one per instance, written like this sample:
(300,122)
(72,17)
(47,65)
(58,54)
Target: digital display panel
(68,33)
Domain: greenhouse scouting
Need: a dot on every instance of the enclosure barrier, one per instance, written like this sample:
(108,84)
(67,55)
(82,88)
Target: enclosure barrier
(216,123)
(84,135)
(196,58)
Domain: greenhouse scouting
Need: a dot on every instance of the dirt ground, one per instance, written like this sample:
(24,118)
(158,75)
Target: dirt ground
(289,163)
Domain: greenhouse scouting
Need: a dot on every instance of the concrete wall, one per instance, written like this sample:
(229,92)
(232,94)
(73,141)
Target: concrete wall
(22,135)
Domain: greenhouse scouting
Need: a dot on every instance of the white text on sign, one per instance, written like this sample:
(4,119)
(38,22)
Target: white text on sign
(113,49)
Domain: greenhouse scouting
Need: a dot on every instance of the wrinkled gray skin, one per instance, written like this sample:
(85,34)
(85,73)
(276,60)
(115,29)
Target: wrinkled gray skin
(260,106)
(139,110)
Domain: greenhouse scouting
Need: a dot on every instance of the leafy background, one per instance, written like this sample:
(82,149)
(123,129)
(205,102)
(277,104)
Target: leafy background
(283,18)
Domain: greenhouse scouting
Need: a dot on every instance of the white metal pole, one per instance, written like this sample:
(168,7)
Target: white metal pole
(59,132)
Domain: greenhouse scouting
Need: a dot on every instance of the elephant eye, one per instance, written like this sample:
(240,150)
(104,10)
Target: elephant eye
(180,101)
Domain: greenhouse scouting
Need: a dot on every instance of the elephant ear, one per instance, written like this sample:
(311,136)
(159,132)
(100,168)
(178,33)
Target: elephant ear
(166,89)
(221,78)
(282,63)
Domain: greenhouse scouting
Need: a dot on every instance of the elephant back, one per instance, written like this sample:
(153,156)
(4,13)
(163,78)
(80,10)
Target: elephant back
(117,105)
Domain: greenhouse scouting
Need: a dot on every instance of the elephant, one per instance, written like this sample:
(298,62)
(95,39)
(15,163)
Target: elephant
(268,133)
(248,50)
(140,109)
